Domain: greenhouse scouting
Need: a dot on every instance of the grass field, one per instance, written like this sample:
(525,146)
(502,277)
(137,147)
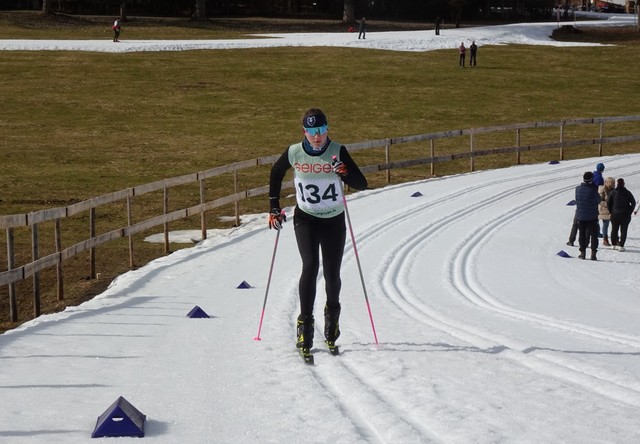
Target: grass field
(74,125)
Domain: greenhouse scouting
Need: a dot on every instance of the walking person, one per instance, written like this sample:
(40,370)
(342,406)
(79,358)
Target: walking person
(587,200)
(437,25)
(473,50)
(598,181)
(621,204)
(116,30)
(362,30)
(603,210)
(463,51)
(320,165)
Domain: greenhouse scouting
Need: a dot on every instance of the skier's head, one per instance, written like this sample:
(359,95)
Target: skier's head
(587,177)
(600,167)
(314,118)
(620,183)
(314,124)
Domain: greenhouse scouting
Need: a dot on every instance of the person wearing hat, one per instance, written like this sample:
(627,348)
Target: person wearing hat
(587,200)
(621,204)
(598,178)
(320,166)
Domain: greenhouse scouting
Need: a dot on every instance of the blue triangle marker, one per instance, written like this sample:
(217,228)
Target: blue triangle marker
(120,419)
(563,253)
(197,312)
(571,202)
(416,194)
(244,284)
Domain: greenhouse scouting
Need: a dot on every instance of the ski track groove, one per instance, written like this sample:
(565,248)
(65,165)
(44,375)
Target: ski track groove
(462,278)
(391,282)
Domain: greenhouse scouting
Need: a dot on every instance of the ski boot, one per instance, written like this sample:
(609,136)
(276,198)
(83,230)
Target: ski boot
(304,340)
(332,328)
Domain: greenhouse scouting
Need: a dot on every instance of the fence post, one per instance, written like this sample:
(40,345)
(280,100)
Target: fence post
(165,225)
(236,204)
(517,146)
(562,140)
(472,158)
(11,263)
(387,158)
(35,255)
(601,135)
(59,275)
(92,250)
(129,223)
(203,219)
(432,143)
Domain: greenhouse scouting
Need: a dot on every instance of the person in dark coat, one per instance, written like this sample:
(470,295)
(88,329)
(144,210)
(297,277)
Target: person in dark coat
(438,22)
(620,204)
(473,50)
(362,31)
(587,200)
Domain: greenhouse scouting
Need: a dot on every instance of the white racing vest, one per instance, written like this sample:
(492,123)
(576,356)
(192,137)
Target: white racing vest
(318,191)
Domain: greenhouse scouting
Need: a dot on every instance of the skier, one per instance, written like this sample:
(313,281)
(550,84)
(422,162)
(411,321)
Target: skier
(320,166)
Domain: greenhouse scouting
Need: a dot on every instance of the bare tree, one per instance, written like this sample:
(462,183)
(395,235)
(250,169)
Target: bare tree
(123,10)
(348,14)
(201,9)
(46,7)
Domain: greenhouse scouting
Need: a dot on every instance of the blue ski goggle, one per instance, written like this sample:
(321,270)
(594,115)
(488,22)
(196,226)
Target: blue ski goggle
(320,130)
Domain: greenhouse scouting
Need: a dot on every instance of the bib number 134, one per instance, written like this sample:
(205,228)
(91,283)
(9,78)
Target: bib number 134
(312,193)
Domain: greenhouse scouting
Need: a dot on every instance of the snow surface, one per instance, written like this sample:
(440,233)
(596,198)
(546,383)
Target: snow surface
(485,334)
(528,34)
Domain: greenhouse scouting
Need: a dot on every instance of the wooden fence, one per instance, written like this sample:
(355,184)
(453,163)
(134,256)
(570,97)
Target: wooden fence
(32,269)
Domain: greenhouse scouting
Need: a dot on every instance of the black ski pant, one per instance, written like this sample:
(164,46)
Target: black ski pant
(588,233)
(314,235)
(574,230)
(619,222)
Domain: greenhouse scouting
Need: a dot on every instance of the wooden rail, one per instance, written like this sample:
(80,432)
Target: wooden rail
(32,269)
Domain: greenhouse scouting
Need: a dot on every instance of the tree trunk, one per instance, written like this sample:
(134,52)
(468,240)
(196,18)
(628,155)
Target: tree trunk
(123,10)
(46,7)
(348,14)
(201,9)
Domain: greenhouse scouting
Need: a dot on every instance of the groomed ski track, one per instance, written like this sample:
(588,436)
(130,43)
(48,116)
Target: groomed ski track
(458,335)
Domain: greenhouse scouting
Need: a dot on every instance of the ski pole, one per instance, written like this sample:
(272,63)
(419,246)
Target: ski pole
(266,293)
(355,250)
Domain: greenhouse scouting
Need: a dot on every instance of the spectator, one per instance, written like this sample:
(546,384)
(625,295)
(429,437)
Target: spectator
(462,50)
(620,204)
(473,50)
(116,30)
(438,22)
(604,215)
(598,179)
(587,199)
(363,29)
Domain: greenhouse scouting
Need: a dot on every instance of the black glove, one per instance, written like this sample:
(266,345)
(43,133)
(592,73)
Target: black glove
(276,218)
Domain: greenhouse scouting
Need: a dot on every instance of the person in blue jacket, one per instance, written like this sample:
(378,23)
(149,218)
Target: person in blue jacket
(587,200)
(598,179)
